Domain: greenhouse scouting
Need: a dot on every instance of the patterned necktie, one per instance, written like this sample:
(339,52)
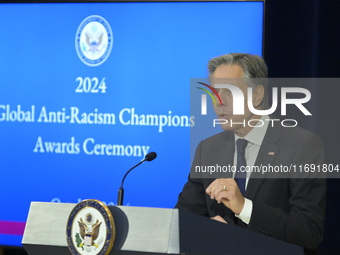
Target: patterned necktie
(240,177)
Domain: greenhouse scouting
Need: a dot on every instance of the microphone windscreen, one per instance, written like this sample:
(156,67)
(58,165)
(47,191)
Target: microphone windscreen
(150,156)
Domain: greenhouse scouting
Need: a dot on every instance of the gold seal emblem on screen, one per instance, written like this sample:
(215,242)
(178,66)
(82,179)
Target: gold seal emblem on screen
(90,229)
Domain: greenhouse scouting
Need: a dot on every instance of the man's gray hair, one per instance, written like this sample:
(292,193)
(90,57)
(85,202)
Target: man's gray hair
(254,70)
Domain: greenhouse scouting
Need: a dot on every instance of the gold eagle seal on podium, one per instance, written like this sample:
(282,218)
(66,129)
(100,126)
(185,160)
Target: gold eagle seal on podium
(90,229)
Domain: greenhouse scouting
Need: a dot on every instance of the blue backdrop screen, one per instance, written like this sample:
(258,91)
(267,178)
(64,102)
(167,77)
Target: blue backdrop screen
(88,89)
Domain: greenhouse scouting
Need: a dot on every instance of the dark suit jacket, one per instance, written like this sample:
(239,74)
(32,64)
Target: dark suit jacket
(292,210)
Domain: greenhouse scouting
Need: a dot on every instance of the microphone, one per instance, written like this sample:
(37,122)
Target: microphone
(149,157)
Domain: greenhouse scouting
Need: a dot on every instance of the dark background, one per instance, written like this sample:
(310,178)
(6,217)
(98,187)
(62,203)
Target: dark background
(302,39)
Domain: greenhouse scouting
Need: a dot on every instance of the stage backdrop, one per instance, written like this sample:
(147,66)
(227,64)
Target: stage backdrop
(87,90)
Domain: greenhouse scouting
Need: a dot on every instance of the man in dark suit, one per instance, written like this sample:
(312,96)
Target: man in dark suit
(290,209)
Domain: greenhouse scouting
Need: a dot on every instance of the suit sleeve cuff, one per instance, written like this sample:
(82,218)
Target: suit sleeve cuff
(245,214)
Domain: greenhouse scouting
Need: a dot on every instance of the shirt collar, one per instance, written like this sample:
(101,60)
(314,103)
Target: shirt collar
(256,135)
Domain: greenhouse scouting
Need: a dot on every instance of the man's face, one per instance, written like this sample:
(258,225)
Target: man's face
(231,74)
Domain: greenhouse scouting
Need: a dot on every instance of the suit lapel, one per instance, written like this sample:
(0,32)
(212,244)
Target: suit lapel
(266,156)
(229,152)
(224,155)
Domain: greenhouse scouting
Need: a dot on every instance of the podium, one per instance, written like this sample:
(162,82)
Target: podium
(141,230)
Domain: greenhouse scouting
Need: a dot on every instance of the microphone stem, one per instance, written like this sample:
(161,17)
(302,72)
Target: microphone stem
(151,156)
(130,171)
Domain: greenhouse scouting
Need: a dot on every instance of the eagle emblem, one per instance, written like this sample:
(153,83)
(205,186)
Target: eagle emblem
(90,229)
(89,233)
(93,41)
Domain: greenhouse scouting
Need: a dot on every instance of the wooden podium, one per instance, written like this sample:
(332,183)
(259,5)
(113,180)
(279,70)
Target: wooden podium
(141,230)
